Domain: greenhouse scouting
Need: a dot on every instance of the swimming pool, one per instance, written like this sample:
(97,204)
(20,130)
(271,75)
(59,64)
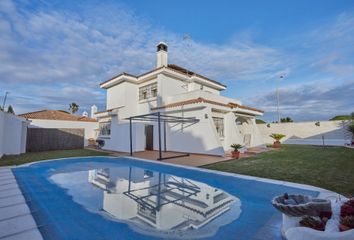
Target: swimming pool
(125,198)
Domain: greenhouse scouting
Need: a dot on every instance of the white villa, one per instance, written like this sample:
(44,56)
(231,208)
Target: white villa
(175,91)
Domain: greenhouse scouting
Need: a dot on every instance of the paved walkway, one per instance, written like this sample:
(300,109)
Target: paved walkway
(16,221)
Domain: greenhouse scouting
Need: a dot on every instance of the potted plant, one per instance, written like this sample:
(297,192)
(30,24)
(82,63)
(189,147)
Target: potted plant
(312,222)
(346,223)
(277,138)
(236,153)
(351,130)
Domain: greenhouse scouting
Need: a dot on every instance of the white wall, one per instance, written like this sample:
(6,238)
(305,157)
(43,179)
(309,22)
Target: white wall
(119,140)
(13,134)
(334,132)
(89,127)
(200,137)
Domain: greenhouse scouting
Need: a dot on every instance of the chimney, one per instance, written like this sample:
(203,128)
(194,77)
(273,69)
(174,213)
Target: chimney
(161,59)
(93,111)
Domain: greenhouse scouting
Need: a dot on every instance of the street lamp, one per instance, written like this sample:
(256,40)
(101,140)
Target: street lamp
(4,102)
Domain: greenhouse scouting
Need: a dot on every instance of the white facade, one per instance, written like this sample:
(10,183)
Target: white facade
(13,134)
(90,128)
(175,91)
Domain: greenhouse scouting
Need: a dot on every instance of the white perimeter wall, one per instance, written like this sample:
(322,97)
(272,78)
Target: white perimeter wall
(13,134)
(334,132)
(89,127)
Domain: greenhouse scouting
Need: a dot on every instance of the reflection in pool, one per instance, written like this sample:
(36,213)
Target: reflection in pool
(151,202)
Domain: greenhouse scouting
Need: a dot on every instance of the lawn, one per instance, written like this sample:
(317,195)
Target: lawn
(331,168)
(38,156)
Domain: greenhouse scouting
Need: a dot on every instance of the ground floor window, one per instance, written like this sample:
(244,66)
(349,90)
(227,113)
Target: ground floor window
(105,128)
(219,125)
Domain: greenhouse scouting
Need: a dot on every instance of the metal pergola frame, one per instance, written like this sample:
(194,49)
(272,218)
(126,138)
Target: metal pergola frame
(158,117)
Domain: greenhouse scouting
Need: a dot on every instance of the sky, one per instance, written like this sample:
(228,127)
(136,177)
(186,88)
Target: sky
(54,52)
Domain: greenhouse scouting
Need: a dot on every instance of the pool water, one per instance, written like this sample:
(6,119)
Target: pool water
(124,198)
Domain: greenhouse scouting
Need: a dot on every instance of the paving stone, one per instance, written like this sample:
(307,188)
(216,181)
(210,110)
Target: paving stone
(27,235)
(13,211)
(4,202)
(10,193)
(17,225)
(9,186)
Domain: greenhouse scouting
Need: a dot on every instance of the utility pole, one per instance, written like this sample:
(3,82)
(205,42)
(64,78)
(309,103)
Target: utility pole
(278,98)
(4,102)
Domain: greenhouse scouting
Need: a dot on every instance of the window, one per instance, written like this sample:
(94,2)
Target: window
(219,125)
(148,91)
(105,128)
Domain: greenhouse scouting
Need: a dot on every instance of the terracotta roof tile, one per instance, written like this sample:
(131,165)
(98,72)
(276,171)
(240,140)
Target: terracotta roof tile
(203,100)
(56,115)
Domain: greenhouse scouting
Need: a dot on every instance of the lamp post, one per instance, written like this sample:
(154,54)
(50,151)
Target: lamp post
(278,98)
(4,102)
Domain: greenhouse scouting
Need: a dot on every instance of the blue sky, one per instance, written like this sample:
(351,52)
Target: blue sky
(55,52)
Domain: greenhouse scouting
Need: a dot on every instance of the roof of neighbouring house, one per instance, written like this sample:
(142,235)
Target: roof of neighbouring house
(203,100)
(172,67)
(56,115)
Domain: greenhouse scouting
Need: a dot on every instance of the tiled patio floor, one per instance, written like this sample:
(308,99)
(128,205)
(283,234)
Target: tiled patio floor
(194,160)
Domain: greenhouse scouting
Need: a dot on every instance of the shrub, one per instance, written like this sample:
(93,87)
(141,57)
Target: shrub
(277,136)
(236,147)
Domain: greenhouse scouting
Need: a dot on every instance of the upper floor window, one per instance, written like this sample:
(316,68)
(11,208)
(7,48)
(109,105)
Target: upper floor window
(148,91)
(105,128)
(219,125)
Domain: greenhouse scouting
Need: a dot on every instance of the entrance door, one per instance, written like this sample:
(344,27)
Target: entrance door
(149,132)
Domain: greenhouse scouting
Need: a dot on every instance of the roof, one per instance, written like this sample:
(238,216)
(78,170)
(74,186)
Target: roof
(56,115)
(172,67)
(203,100)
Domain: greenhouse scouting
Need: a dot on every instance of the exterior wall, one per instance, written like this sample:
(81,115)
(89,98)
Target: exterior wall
(197,86)
(168,86)
(13,133)
(119,139)
(334,132)
(90,127)
(250,127)
(200,137)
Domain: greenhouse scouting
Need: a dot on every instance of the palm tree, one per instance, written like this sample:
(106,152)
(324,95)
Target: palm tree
(73,107)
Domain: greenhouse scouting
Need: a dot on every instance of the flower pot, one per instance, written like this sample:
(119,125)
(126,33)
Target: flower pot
(277,144)
(343,228)
(235,154)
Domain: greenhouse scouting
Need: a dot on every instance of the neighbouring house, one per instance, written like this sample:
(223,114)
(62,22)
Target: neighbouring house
(58,119)
(13,133)
(175,91)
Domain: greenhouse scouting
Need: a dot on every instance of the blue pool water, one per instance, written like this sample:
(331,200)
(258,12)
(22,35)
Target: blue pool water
(124,198)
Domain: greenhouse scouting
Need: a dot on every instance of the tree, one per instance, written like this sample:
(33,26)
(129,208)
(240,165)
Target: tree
(287,119)
(73,107)
(10,110)
(260,121)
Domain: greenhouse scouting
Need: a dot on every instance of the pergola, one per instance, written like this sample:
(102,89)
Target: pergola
(160,119)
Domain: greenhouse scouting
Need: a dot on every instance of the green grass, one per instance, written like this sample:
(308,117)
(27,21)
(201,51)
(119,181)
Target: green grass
(38,156)
(331,168)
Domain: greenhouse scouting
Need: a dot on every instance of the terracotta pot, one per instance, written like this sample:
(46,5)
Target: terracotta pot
(343,228)
(277,144)
(235,154)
